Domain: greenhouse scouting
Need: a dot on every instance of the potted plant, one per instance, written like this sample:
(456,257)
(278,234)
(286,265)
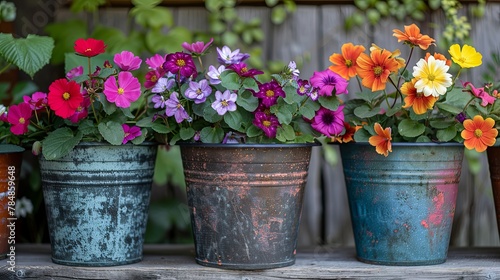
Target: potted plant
(403,170)
(96,165)
(245,145)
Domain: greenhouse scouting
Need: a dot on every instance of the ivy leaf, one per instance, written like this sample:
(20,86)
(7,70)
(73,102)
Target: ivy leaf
(29,54)
(410,128)
(112,132)
(60,142)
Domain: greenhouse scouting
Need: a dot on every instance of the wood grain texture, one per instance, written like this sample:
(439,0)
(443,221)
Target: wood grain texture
(177,262)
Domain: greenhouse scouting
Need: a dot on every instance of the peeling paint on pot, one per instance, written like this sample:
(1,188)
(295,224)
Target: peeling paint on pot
(245,202)
(402,206)
(97,201)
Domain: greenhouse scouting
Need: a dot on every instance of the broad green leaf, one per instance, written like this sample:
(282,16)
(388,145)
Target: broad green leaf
(308,110)
(211,116)
(161,128)
(139,139)
(247,101)
(284,113)
(410,128)
(71,60)
(186,133)
(362,135)
(145,122)
(254,131)
(285,133)
(365,111)
(59,143)
(368,95)
(233,119)
(127,113)
(87,127)
(29,54)
(86,5)
(112,132)
(392,111)
(449,108)
(158,41)
(440,124)
(212,135)
(329,102)
(152,17)
(445,135)
(118,41)
(230,80)
(108,107)
(250,83)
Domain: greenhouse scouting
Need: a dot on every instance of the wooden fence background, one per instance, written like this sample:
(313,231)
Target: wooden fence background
(316,31)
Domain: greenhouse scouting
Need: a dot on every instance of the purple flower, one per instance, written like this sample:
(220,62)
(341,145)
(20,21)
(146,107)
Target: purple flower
(226,56)
(214,74)
(163,85)
(242,70)
(75,72)
(175,108)
(329,83)
(127,61)
(197,48)
(314,94)
(328,122)
(37,100)
(159,101)
(269,92)
(198,91)
(461,117)
(292,69)
(180,63)
(224,102)
(267,122)
(130,133)
(304,87)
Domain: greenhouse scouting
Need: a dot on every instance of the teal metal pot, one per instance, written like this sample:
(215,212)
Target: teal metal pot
(402,206)
(245,202)
(97,201)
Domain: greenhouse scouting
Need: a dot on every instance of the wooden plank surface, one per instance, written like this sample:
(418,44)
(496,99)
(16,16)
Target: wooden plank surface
(177,262)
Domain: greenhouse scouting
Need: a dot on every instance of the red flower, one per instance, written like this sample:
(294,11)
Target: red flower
(19,118)
(90,47)
(64,97)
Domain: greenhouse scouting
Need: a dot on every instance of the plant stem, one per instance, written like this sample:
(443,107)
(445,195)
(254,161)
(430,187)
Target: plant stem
(5,68)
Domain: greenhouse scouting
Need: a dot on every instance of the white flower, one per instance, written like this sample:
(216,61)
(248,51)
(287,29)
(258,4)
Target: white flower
(433,77)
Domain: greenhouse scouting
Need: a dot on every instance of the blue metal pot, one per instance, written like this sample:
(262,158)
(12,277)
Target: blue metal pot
(97,201)
(402,206)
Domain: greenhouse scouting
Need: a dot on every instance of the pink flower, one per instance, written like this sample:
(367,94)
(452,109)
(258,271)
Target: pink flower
(19,118)
(130,133)
(125,92)
(127,61)
(329,83)
(37,100)
(152,78)
(480,93)
(328,122)
(156,63)
(197,48)
(75,72)
(81,112)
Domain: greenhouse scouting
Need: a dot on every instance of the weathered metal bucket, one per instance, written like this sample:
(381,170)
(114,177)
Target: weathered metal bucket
(97,201)
(11,158)
(245,202)
(402,206)
(494,166)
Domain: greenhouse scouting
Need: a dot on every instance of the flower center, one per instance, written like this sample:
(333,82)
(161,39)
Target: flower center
(180,62)
(266,123)
(198,91)
(327,119)
(478,133)
(127,134)
(88,50)
(224,103)
(121,91)
(154,78)
(244,70)
(66,95)
(269,93)
(348,63)
(378,70)
(431,77)
(22,120)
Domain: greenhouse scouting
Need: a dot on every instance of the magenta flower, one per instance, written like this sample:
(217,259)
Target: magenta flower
(214,74)
(152,78)
(197,48)
(267,122)
(175,108)
(180,63)
(19,118)
(329,83)
(37,100)
(3,113)
(156,63)
(130,133)
(269,92)
(304,87)
(226,56)
(81,112)
(242,70)
(328,122)
(224,102)
(125,92)
(127,61)
(479,93)
(75,72)
(198,91)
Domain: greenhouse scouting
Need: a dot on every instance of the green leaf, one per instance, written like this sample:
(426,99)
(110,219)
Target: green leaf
(145,122)
(445,135)
(440,124)
(108,107)
(212,135)
(278,15)
(112,132)
(138,140)
(158,41)
(59,143)
(365,111)
(247,101)
(211,116)
(449,108)
(29,54)
(71,60)
(329,102)
(161,128)
(410,128)
(362,135)
(254,131)
(153,17)
(186,133)
(233,119)
(392,111)
(308,110)
(230,80)
(87,127)
(250,83)
(127,113)
(284,112)
(285,133)
(86,5)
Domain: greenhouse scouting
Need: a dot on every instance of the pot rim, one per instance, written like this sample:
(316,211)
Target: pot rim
(405,144)
(249,145)
(9,148)
(145,143)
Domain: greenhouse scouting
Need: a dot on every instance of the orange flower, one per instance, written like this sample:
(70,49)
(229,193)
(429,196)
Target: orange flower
(479,133)
(412,36)
(345,63)
(417,100)
(348,135)
(395,54)
(374,70)
(381,141)
(439,56)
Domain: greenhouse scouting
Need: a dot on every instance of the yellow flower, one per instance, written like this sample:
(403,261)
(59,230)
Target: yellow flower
(468,57)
